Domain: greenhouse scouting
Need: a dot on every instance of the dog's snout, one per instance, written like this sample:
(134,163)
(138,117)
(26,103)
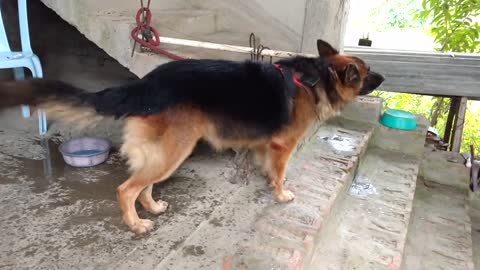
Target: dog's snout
(372,82)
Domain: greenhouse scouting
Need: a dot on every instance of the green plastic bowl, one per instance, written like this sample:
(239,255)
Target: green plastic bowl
(399,119)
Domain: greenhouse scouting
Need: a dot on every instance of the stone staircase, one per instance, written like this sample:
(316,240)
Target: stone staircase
(355,183)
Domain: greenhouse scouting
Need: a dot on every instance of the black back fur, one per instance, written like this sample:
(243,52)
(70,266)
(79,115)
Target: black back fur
(249,93)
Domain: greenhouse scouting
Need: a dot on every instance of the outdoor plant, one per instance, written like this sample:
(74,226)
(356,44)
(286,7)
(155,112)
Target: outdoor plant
(453,23)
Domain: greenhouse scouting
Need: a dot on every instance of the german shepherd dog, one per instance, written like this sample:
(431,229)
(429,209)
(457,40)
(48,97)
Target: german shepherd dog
(263,107)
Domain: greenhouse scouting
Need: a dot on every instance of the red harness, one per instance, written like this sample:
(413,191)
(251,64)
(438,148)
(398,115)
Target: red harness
(291,79)
(295,79)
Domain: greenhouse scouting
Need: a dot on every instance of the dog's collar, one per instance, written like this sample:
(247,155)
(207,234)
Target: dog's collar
(291,80)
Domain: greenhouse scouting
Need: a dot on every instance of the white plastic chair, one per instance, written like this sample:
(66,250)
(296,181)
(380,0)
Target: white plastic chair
(23,59)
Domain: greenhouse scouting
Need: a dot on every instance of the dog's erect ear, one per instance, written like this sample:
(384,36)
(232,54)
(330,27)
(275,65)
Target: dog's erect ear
(351,75)
(325,49)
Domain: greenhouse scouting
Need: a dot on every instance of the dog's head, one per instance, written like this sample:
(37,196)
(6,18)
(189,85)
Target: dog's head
(352,75)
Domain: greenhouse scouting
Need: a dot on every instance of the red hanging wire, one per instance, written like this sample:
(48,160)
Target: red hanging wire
(150,37)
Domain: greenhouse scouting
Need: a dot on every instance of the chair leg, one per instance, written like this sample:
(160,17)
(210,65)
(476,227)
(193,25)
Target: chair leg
(25,111)
(37,72)
(19,74)
(38,67)
(42,122)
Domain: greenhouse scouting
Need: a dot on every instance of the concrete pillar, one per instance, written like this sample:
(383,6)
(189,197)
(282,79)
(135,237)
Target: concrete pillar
(327,20)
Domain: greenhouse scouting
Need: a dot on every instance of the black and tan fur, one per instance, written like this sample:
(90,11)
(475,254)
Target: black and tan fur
(228,104)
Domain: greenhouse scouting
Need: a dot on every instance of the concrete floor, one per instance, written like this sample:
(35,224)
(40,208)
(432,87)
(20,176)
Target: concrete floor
(57,217)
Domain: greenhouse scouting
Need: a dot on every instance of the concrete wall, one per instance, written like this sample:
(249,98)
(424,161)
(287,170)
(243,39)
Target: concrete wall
(283,25)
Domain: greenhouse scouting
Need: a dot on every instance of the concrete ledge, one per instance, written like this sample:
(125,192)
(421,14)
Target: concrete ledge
(446,168)
(364,109)
(401,141)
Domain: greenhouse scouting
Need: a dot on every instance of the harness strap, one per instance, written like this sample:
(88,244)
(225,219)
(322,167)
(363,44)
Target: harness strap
(291,80)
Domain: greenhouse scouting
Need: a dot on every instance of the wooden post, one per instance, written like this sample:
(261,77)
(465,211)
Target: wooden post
(447,135)
(459,123)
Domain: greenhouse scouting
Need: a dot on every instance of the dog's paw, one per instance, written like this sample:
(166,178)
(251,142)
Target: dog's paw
(285,196)
(159,207)
(142,226)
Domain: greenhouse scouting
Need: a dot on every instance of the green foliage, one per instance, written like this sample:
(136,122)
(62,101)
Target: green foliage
(396,14)
(454,23)
(471,130)
(417,104)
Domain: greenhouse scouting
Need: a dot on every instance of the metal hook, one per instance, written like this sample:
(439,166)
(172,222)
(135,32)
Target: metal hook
(256,53)
(253,44)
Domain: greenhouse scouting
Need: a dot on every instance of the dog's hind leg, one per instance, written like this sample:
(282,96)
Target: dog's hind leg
(262,160)
(155,149)
(142,181)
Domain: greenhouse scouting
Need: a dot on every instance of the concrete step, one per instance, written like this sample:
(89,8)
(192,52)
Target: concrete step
(440,235)
(370,227)
(364,109)
(474,211)
(440,232)
(475,218)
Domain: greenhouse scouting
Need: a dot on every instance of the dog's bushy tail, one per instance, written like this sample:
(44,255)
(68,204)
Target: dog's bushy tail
(60,100)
